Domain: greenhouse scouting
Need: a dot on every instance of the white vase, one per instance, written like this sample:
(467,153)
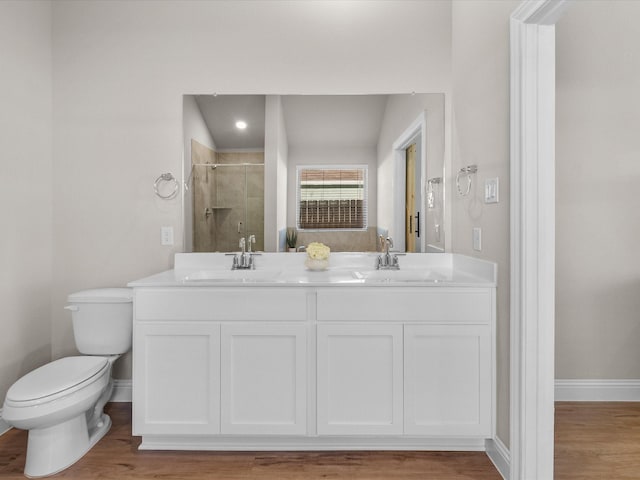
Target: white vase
(316,265)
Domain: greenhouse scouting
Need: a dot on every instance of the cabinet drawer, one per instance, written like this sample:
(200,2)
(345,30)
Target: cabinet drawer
(221,304)
(468,305)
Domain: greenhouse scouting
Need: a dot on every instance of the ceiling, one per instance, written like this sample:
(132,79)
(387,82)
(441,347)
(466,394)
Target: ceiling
(221,112)
(310,120)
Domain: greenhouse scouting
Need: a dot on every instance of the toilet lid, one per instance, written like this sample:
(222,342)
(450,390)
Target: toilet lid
(56,377)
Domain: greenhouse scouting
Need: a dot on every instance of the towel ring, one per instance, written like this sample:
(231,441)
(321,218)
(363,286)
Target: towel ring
(468,171)
(166,177)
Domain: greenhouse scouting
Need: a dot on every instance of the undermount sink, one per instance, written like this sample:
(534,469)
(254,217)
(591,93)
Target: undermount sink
(232,276)
(398,276)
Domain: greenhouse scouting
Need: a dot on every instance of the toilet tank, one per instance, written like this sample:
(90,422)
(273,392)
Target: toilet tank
(102,320)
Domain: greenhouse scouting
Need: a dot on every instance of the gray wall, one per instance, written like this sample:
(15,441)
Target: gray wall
(480,59)
(25,192)
(597,188)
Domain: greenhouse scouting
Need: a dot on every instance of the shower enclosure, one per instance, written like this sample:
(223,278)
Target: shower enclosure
(228,204)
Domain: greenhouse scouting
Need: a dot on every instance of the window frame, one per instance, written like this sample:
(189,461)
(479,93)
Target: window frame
(365,196)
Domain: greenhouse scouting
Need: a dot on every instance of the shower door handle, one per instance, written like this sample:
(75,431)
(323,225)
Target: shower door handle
(239,227)
(418,224)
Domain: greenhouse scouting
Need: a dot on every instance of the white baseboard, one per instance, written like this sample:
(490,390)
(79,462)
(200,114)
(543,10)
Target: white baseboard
(270,443)
(591,390)
(499,456)
(4,426)
(122,391)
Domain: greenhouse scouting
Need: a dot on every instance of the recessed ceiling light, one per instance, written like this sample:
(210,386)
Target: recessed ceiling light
(241,125)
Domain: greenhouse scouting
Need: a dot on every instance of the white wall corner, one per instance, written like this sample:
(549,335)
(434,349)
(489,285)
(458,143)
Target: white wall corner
(499,455)
(122,391)
(594,390)
(4,426)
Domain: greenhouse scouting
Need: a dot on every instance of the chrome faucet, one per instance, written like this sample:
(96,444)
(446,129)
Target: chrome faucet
(386,261)
(244,259)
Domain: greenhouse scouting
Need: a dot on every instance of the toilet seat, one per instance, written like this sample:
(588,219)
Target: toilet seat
(56,379)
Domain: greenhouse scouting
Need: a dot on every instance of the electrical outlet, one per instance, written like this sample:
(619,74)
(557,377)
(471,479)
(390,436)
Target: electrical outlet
(477,238)
(166,235)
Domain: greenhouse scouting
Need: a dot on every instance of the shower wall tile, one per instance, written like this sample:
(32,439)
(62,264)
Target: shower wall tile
(347,241)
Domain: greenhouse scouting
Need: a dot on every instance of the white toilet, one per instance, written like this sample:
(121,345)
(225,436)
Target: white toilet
(61,402)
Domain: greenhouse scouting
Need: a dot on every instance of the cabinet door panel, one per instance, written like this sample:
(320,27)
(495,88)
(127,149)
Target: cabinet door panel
(359,379)
(264,379)
(447,380)
(176,379)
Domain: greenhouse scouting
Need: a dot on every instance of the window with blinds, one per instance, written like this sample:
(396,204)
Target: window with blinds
(332,198)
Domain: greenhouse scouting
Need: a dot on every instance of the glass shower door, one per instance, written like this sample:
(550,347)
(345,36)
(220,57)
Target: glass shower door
(228,205)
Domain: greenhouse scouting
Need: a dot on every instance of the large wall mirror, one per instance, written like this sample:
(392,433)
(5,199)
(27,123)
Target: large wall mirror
(340,169)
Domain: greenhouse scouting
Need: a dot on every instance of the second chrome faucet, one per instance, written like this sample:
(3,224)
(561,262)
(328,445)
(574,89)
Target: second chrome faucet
(244,259)
(386,261)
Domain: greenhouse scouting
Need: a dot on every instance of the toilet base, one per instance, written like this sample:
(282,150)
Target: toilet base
(52,449)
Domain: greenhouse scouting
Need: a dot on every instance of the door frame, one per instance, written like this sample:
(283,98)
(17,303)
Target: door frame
(532,228)
(417,129)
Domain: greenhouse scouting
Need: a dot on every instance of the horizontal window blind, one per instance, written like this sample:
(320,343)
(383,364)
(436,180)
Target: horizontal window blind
(332,198)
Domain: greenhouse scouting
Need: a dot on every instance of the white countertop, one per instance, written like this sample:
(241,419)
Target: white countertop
(345,270)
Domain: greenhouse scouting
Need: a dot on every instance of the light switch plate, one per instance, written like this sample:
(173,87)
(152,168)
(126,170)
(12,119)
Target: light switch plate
(166,236)
(477,238)
(491,190)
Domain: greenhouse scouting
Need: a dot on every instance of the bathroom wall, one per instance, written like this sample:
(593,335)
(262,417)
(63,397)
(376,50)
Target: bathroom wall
(597,178)
(114,133)
(25,193)
(196,129)
(276,154)
(480,70)
(120,70)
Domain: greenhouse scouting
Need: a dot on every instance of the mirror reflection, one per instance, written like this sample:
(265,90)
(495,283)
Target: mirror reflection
(293,169)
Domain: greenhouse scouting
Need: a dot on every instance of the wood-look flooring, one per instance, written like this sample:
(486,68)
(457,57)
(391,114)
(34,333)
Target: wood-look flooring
(593,441)
(597,440)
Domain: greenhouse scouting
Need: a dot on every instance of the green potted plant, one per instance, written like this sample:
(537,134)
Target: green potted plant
(292,238)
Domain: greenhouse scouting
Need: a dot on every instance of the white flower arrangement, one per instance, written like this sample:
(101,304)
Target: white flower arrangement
(318,251)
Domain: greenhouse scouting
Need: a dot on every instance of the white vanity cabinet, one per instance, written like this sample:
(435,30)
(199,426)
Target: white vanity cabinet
(302,363)
(405,361)
(220,361)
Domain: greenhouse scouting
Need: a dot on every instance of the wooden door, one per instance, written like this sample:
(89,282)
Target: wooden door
(410,200)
